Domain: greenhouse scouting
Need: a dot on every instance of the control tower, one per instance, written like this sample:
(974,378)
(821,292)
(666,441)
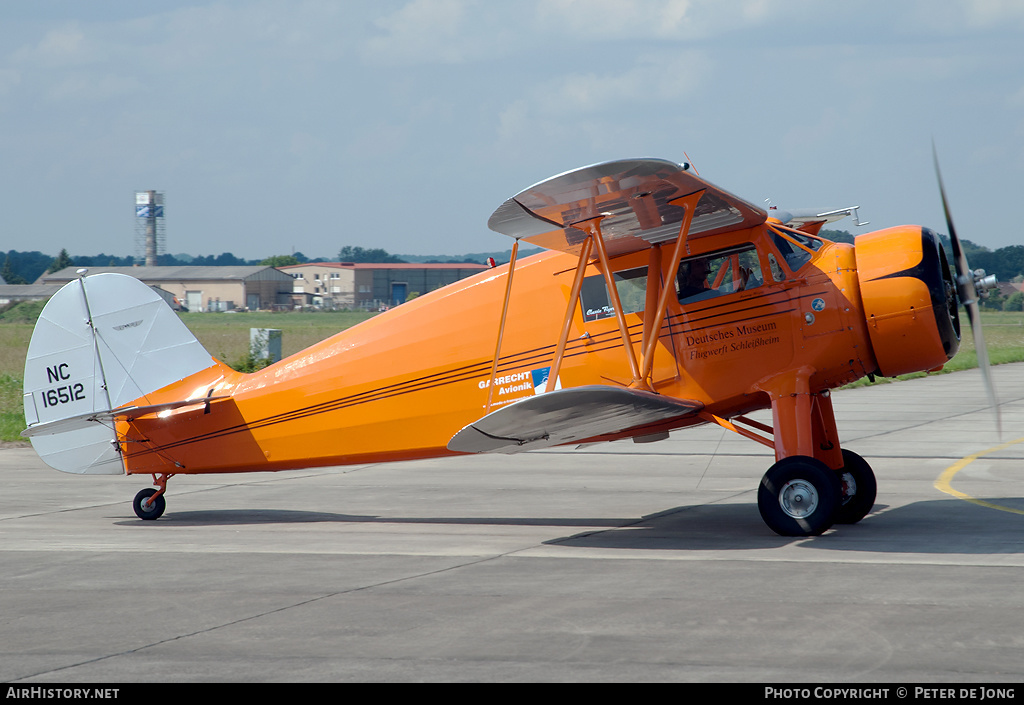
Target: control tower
(150,231)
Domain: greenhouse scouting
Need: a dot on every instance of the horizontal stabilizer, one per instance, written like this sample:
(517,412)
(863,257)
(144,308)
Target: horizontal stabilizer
(568,416)
(85,420)
(71,423)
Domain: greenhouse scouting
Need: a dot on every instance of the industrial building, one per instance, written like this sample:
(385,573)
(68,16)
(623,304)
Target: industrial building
(250,288)
(368,286)
(344,285)
(16,293)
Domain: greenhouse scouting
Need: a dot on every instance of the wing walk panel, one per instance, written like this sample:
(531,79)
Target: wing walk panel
(568,416)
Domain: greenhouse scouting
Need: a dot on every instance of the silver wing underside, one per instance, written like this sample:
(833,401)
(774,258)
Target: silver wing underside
(568,416)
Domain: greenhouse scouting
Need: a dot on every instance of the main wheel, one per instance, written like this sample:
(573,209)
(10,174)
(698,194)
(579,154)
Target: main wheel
(146,508)
(858,489)
(799,496)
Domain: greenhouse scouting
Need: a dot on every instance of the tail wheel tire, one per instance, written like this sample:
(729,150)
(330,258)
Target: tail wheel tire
(858,489)
(146,508)
(799,496)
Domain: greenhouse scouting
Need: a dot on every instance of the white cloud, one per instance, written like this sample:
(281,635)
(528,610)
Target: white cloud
(9,78)
(958,17)
(666,19)
(652,79)
(80,87)
(601,19)
(62,46)
(993,13)
(430,31)
(605,114)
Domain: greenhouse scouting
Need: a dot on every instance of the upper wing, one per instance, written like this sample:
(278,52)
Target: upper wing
(568,416)
(633,196)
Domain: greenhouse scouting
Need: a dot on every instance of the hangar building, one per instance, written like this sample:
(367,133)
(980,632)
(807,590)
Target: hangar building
(358,285)
(205,288)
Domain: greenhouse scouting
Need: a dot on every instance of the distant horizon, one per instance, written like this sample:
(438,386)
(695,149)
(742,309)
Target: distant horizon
(179,255)
(31,265)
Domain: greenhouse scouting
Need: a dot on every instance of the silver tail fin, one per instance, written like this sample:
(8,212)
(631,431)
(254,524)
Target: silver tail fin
(101,342)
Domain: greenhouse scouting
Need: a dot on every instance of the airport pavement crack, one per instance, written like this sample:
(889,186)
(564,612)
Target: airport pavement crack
(260,615)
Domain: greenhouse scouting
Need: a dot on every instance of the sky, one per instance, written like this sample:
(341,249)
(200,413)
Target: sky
(274,127)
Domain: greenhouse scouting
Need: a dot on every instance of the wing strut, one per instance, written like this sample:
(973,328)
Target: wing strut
(650,337)
(501,326)
(730,425)
(593,228)
(570,311)
(652,323)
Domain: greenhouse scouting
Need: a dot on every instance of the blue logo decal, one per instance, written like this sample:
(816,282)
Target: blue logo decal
(540,380)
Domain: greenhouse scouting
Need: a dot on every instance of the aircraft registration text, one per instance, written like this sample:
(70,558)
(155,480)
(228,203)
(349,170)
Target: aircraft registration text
(64,393)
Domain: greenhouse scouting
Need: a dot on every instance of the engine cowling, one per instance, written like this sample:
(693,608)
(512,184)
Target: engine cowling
(909,299)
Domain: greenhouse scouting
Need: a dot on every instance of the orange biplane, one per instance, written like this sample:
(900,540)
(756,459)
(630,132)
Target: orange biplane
(662,302)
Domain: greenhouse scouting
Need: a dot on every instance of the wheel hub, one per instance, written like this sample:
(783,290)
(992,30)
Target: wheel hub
(798,498)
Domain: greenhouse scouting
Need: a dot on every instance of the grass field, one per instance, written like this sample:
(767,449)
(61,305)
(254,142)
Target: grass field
(226,336)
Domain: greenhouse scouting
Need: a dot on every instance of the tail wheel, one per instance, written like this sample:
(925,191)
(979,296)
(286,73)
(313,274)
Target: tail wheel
(147,506)
(858,489)
(799,496)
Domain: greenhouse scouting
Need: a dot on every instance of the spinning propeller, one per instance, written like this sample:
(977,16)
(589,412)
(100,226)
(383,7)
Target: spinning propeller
(970,285)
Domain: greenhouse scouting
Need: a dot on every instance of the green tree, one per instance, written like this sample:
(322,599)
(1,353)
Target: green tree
(993,302)
(837,235)
(28,265)
(63,261)
(349,253)
(9,275)
(280,261)
(1014,302)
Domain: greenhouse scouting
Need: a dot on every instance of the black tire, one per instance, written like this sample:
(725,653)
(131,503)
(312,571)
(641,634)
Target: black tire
(799,496)
(156,508)
(857,489)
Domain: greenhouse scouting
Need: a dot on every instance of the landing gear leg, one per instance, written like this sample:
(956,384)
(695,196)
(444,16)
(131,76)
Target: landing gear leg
(149,503)
(858,489)
(799,496)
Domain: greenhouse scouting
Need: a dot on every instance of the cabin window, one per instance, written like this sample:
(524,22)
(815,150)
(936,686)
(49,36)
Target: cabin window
(811,243)
(778,274)
(631,285)
(718,273)
(795,247)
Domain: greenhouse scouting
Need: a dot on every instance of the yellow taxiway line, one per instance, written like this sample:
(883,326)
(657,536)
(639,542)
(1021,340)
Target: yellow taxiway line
(943,483)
